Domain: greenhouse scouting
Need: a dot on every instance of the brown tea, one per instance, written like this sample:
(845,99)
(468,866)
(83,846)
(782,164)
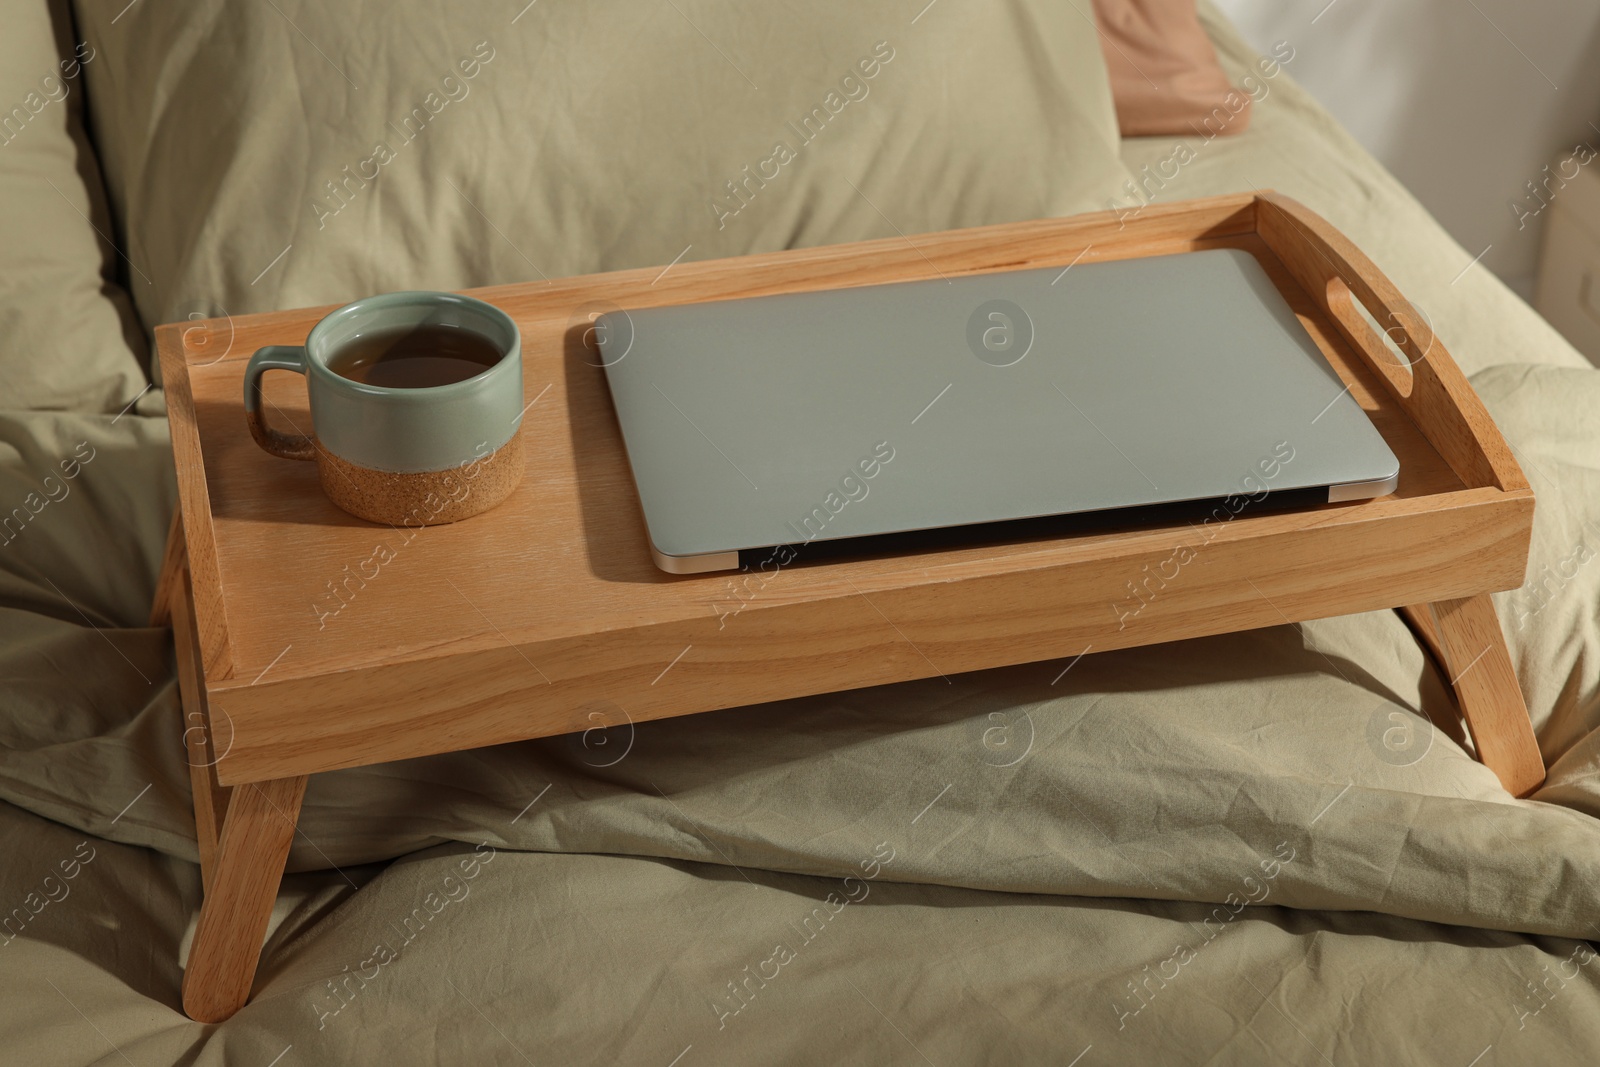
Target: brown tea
(415,357)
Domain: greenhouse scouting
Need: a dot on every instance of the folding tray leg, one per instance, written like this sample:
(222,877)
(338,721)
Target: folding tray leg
(243,832)
(251,852)
(202,743)
(1465,637)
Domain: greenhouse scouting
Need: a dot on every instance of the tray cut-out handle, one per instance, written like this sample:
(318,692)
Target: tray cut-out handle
(1429,386)
(1394,342)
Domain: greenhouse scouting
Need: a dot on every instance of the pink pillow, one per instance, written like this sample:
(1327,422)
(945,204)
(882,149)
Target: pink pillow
(1165,78)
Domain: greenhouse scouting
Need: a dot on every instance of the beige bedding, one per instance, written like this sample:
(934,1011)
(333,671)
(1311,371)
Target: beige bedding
(1201,852)
(71,342)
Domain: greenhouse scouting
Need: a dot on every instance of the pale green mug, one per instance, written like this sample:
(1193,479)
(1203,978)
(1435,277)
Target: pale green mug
(400,456)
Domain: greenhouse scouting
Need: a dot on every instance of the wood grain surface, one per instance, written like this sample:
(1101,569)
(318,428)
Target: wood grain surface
(1466,638)
(253,848)
(330,642)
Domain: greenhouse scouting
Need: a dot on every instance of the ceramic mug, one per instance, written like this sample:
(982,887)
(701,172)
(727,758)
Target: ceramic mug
(412,456)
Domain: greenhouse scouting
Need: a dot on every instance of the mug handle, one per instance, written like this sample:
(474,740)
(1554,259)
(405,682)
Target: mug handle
(274,357)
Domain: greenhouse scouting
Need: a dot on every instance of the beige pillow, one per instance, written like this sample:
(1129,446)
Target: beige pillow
(275,154)
(67,339)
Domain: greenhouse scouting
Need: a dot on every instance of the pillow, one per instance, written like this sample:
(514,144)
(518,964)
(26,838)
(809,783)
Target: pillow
(272,153)
(67,335)
(1165,78)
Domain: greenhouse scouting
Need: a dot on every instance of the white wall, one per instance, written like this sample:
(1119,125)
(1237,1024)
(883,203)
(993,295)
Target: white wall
(1464,100)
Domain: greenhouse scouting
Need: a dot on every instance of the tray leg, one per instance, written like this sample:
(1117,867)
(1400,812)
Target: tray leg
(202,743)
(251,852)
(243,833)
(1465,637)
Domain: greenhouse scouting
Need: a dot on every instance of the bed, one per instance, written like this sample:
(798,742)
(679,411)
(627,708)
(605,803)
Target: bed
(1272,846)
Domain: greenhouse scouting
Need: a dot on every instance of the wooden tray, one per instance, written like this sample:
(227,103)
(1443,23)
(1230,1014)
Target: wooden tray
(317,641)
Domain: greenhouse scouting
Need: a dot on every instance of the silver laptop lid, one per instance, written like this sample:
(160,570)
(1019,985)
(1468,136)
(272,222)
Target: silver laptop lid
(920,405)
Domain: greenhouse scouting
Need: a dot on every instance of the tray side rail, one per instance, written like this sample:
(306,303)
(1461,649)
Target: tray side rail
(1426,382)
